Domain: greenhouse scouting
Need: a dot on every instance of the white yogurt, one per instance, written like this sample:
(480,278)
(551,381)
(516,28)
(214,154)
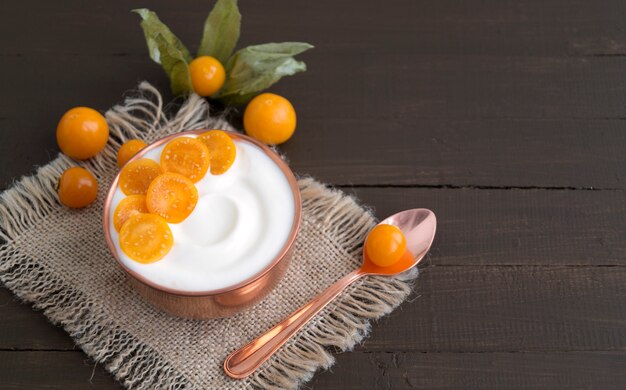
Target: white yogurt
(241,222)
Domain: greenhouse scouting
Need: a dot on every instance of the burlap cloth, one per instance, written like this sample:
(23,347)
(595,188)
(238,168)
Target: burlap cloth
(56,259)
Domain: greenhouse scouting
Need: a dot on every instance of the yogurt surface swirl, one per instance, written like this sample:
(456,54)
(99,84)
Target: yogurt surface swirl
(241,222)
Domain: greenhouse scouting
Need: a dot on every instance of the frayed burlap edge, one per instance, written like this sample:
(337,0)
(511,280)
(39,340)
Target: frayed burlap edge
(340,326)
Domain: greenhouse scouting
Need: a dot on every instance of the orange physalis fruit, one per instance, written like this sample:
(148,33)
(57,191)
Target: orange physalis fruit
(77,187)
(82,132)
(128,150)
(146,238)
(207,75)
(385,245)
(270,118)
(129,206)
(187,156)
(137,175)
(221,148)
(172,196)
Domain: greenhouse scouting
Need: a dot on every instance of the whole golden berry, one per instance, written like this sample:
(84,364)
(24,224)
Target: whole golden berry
(128,150)
(82,132)
(270,118)
(385,245)
(77,187)
(207,75)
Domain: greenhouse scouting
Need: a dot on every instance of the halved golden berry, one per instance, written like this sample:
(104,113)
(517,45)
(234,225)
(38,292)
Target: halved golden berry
(221,148)
(146,238)
(137,175)
(129,206)
(186,156)
(172,196)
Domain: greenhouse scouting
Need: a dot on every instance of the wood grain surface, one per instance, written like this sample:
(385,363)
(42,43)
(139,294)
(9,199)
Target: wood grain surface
(506,118)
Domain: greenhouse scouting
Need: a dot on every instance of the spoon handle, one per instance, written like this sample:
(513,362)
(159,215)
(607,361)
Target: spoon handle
(247,359)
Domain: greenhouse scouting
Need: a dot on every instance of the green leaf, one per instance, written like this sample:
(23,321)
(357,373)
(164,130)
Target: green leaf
(221,31)
(166,49)
(152,27)
(175,66)
(255,68)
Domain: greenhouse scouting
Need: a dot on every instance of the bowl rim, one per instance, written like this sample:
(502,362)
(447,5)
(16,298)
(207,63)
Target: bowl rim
(295,227)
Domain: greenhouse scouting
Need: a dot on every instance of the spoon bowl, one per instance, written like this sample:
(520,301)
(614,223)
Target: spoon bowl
(418,226)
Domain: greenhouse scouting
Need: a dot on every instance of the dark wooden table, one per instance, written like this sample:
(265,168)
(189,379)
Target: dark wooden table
(505,117)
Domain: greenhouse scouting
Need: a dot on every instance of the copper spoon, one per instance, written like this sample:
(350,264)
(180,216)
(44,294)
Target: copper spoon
(418,226)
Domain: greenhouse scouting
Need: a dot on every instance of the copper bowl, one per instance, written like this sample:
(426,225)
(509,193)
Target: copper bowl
(214,303)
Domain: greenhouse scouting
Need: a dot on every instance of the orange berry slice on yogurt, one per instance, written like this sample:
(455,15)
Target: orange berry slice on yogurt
(186,156)
(146,238)
(129,206)
(172,196)
(222,150)
(137,175)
